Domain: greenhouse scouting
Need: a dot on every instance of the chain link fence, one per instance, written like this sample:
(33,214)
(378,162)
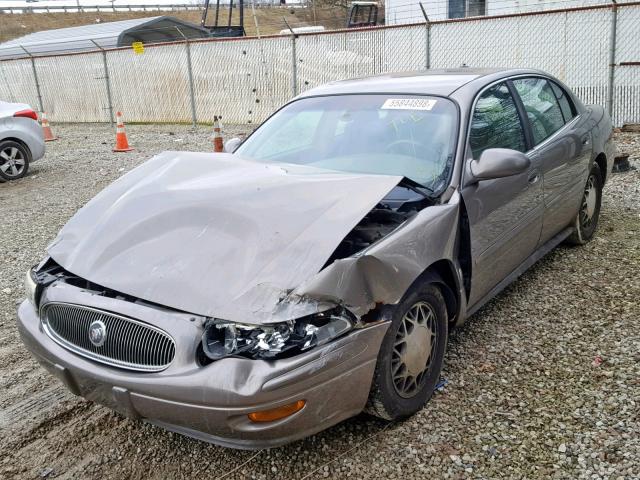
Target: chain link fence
(595,50)
(242,80)
(571,45)
(626,78)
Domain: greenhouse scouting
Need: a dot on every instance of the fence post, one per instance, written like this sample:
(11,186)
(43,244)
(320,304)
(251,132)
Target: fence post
(192,92)
(35,78)
(294,66)
(427,47)
(294,60)
(612,56)
(255,19)
(107,81)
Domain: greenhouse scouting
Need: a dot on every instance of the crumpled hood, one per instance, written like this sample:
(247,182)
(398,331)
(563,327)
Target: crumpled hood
(214,234)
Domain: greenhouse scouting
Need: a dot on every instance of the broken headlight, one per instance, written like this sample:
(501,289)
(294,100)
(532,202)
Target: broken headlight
(223,339)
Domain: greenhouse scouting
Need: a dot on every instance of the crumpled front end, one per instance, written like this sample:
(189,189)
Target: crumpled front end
(247,242)
(241,266)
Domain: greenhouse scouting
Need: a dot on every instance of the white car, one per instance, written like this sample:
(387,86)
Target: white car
(21,140)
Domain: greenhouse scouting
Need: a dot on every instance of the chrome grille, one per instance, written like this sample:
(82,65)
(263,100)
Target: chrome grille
(128,343)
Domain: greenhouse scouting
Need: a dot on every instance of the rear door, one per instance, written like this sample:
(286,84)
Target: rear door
(563,144)
(505,214)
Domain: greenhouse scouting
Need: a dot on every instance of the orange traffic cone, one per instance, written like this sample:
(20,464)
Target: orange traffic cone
(218,146)
(46,129)
(122,144)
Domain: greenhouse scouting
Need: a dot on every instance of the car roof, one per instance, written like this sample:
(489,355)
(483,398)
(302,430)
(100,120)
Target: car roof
(434,82)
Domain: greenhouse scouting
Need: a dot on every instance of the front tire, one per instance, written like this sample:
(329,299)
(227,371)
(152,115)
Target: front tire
(586,221)
(411,355)
(14,160)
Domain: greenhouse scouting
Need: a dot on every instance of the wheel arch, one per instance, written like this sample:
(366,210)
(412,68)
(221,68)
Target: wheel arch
(21,142)
(443,273)
(601,161)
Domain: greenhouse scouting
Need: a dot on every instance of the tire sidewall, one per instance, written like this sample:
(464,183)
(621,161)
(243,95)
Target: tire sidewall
(586,235)
(26,154)
(397,406)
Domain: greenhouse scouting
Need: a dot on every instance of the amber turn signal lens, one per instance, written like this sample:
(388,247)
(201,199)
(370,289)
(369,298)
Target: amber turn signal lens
(277,413)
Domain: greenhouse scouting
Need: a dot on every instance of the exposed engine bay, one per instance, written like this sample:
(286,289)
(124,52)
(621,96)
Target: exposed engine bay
(377,224)
(403,202)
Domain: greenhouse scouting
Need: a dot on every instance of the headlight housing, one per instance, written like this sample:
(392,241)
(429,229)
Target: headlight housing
(31,287)
(224,339)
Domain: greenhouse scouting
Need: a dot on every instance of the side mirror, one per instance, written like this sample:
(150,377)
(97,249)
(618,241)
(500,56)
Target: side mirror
(232,144)
(499,163)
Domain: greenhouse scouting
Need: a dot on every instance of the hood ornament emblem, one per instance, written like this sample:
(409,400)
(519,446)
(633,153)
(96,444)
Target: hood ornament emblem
(97,333)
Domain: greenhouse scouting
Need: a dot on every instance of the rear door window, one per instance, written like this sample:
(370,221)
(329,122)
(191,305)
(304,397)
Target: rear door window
(495,122)
(541,106)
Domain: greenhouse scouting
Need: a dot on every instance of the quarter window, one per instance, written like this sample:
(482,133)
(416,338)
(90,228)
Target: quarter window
(495,122)
(541,106)
(566,105)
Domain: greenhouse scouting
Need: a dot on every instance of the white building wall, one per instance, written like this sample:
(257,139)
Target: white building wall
(408,11)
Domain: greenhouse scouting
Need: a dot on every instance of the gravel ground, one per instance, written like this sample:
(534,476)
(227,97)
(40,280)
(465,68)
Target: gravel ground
(542,382)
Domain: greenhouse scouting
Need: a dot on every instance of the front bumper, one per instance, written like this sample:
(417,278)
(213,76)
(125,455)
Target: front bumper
(211,402)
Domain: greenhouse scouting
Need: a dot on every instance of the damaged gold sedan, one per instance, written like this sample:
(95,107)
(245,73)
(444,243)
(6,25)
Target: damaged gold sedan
(258,296)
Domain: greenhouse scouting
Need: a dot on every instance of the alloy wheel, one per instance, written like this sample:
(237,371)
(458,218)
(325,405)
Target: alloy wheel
(413,349)
(12,162)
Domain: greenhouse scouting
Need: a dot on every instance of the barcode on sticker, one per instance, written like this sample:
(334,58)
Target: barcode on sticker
(408,104)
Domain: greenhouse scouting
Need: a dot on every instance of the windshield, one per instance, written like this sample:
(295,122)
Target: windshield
(408,135)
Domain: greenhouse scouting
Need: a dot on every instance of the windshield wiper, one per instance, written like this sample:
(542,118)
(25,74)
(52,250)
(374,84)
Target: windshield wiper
(416,187)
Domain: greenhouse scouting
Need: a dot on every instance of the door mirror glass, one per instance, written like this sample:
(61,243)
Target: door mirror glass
(499,163)
(232,144)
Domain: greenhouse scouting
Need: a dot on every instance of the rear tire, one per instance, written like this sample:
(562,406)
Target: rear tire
(411,355)
(14,160)
(586,221)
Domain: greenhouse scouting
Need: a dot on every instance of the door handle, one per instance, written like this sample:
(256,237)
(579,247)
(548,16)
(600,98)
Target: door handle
(534,177)
(585,140)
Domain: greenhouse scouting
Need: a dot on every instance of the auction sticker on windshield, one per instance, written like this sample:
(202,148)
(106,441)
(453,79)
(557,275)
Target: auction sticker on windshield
(408,104)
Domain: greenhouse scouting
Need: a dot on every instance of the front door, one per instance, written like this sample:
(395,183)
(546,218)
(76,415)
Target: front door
(505,214)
